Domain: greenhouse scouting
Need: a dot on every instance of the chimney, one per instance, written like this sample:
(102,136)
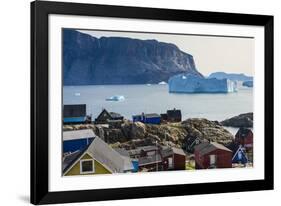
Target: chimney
(142,116)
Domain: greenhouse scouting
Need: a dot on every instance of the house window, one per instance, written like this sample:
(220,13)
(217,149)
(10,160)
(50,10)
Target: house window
(87,166)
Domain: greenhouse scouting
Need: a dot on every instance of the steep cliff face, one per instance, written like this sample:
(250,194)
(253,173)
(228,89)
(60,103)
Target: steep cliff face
(115,60)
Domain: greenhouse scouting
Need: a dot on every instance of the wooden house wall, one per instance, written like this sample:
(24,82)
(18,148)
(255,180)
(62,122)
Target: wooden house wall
(99,168)
(74,110)
(223,159)
(179,162)
(246,141)
(76,144)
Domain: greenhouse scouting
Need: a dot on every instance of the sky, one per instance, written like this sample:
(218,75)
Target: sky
(210,53)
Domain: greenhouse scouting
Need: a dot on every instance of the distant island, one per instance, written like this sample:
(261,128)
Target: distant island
(248,84)
(88,60)
(231,76)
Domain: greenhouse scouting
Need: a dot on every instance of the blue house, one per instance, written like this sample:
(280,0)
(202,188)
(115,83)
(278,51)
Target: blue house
(152,118)
(74,114)
(77,140)
(240,156)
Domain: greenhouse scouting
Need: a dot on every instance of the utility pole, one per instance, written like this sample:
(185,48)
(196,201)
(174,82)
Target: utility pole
(156,156)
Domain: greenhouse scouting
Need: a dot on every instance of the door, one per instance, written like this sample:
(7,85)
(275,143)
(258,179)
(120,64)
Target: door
(170,162)
(212,160)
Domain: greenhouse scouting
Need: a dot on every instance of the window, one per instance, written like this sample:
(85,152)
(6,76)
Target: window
(87,166)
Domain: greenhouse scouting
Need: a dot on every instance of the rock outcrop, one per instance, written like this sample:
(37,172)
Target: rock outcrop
(135,134)
(207,130)
(116,60)
(242,120)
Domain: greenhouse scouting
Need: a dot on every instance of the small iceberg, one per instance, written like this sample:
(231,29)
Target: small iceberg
(116,98)
(162,83)
(77,94)
(148,84)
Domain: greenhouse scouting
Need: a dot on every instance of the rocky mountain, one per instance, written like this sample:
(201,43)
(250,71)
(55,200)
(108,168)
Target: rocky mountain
(242,120)
(231,76)
(116,60)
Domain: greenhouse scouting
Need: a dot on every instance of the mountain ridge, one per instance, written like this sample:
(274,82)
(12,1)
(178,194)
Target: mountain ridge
(88,60)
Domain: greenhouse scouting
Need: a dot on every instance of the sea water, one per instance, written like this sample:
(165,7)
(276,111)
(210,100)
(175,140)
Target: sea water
(157,99)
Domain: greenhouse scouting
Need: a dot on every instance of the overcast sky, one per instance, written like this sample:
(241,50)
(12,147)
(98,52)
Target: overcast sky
(211,54)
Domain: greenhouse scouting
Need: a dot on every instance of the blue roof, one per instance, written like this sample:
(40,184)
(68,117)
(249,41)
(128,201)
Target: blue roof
(74,119)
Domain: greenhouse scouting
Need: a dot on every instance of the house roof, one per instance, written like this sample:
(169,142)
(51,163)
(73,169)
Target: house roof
(150,115)
(178,151)
(74,110)
(103,111)
(174,113)
(243,132)
(122,152)
(125,155)
(108,156)
(206,147)
(115,115)
(78,134)
(144,148)
(201,146)
(168,151)
(112,115)
(105,155)
(70,159)
(150,159)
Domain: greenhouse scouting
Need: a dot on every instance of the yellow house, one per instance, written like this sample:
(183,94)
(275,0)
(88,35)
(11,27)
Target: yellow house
(97,158)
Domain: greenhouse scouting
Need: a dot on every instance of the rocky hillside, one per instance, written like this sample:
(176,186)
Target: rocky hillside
(132,135)
(116,60)
(242,120)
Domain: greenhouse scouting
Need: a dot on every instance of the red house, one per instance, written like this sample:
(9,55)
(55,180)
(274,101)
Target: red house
(244,137)
(173,158)
(159,158)
(212,155)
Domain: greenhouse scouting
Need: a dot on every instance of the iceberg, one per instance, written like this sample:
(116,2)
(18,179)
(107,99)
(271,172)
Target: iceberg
(162,83)
(116,98)
(190,83)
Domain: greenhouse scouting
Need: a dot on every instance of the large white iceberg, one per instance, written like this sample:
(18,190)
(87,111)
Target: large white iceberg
(189,83)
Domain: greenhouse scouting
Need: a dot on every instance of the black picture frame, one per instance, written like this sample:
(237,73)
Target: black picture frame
(39,102)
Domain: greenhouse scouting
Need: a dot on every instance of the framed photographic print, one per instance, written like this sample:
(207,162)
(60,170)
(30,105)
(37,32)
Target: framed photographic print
(133,102)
